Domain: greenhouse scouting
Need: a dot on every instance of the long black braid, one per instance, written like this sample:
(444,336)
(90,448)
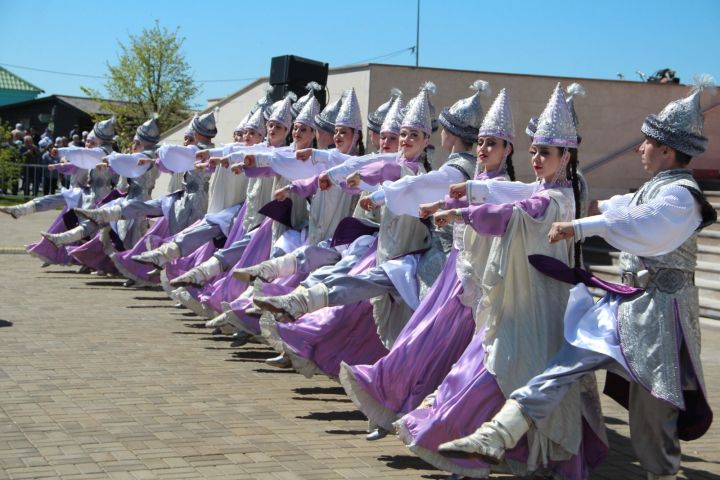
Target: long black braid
(509,168)
(571,171)
(360,144)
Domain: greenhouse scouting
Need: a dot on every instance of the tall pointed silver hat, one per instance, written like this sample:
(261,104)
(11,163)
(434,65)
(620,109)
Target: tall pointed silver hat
(257,121)
(311,87)
(308,113)
(680,124)
(464,117)
(241,126)
(349,114)
(325,120)
(556,127)
(394,117)
(264,102)
(573,90)
(498,121)
(205,124)
(105,129)
(149,131)
(375,119)
(417,114)
(282,113)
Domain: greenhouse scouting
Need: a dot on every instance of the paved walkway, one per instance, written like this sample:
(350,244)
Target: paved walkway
(98,381)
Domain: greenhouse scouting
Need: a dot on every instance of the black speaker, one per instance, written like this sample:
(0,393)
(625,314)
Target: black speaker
(293,69)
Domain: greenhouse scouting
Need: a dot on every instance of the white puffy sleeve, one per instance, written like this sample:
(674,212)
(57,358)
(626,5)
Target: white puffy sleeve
(404,196)
(616,201)
(490,191)
(284,163)
(653,228)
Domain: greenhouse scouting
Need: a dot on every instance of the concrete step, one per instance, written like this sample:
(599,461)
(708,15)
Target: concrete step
(704,268)
(709,253)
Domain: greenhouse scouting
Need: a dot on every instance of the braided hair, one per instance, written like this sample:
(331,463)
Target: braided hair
(572,174)
(360,144)
(509,168)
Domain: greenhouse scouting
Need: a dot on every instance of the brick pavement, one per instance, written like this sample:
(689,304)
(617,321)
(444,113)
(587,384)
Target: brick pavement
(98,381)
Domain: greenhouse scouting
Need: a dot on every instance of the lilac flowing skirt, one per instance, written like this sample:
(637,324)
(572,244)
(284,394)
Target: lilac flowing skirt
(318,342)
(46,251)
(92,254)
(468,397)
(423,354)
(140,272)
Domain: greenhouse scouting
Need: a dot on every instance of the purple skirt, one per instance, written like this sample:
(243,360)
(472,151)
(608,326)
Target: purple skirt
(251,324)
(423,354)
(226,288)
(140,272)
(92,254)
(46,251)
(318,342)
(468,397)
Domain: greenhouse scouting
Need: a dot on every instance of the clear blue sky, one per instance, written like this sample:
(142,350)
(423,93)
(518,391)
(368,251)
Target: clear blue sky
(236,39)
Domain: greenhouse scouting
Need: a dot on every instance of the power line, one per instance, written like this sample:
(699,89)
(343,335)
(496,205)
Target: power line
(105,77)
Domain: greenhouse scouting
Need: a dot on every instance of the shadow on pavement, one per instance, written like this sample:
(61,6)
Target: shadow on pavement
(5,323)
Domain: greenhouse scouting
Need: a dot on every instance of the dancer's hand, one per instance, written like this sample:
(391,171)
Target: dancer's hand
(200,165)
(353,180)
(144,161)
(52,166)
(282,193)
(249,160)
(303,154)
(458,190)
(324,181)
(366,203)
(427,209)
(444,218)
(561,231)
(103,163)
(202,155)
(236,169)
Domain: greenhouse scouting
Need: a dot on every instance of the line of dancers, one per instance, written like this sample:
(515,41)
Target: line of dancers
(451,304)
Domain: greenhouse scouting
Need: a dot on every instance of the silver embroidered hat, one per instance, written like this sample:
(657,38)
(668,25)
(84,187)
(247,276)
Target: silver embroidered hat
(498,121)
(394,117)
(308,113)
(464,117)
(282,112)
(375,119)
(311,87)
(325,120)
(241,126)
(349,114)
(205,124)
(257,121)
(105,129)
(556,127)
(573,90)
(680,124)
(417,114)
(149,131)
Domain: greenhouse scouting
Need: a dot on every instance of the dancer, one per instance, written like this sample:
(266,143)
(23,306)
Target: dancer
(650,341)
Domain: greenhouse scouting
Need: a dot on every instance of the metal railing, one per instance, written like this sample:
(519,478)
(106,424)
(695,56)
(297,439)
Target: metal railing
(31,180)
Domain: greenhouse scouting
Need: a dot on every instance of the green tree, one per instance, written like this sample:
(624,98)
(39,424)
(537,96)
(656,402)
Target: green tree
(10,159)
(151,77)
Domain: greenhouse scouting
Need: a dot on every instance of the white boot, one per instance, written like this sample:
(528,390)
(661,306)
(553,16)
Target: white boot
(165,253)
(297,303)
(654,476)
(217,322)
(101,215)
(17,211)
(490,441)
(65,238)
(198,276)
(268,270)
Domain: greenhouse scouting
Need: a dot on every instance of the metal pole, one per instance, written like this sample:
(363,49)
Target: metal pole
(417,37)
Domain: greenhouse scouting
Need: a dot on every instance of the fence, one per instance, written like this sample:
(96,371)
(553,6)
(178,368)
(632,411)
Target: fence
(31,180)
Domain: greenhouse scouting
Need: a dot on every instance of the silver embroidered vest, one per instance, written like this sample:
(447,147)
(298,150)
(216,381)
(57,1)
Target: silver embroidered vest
(650,325)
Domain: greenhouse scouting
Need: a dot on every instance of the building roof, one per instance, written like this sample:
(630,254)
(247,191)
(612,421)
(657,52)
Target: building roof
(10,81)
(84,104)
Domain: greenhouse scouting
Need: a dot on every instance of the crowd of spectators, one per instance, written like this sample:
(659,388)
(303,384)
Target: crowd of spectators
(37,151)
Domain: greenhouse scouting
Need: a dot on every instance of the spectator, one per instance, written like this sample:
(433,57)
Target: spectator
(84,137)
(50,178)
(76,142)
(30,175)
(75,131)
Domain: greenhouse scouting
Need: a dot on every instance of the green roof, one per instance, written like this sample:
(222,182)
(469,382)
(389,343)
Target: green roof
(10,81)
